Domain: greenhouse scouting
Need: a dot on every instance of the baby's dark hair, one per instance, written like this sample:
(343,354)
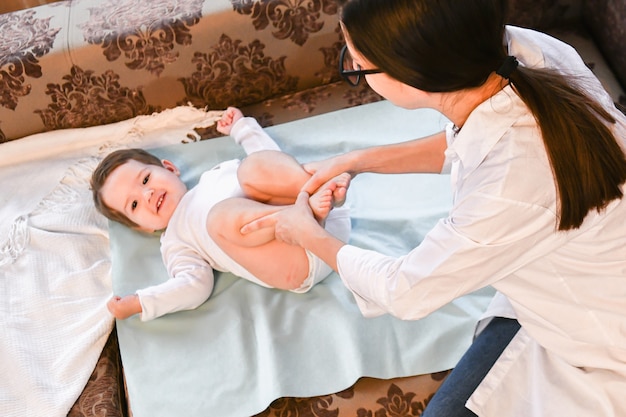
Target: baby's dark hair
(105,168)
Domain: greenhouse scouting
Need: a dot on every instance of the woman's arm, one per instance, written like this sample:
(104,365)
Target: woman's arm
(425,155)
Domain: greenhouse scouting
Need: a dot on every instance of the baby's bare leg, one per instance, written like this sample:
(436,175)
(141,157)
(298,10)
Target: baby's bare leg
(228,216)
(321,203)
(271,177)
(278,264)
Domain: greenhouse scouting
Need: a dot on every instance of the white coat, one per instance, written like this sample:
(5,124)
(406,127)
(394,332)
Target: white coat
(567,289)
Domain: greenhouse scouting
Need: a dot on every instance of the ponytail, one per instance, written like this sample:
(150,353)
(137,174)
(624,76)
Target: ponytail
(587,162)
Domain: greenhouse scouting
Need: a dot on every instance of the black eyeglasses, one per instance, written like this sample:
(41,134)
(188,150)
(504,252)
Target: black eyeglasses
(347,71)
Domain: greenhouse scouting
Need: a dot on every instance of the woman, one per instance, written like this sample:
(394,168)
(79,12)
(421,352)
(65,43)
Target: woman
(536,156)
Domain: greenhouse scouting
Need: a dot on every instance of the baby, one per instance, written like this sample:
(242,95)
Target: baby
(201,225)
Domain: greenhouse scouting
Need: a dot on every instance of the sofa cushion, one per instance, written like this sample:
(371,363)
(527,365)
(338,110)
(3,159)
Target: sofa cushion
(543,14)
(606,20)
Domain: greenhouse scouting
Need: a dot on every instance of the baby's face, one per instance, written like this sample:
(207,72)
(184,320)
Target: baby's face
(146,194)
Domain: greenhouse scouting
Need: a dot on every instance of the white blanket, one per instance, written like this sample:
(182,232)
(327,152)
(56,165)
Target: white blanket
(55,268)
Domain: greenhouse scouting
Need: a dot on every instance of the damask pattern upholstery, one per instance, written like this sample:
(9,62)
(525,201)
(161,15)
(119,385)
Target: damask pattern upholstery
(398,397)
(82,63)
(104,395)
(79,63)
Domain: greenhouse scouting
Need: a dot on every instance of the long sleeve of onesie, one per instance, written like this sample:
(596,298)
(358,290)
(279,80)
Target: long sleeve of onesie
(247,133)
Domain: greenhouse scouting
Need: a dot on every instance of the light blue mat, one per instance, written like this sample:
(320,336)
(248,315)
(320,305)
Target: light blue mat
(248,345)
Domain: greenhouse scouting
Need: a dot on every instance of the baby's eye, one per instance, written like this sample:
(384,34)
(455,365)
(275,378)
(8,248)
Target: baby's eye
(133,205)
(145,180)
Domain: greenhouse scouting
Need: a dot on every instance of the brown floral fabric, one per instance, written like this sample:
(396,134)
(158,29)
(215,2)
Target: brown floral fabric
(132,57)
(236,73)
(88,99)
(291,20)
(368,397)
(144,32)
(25,39)
(86,62)
(104,394)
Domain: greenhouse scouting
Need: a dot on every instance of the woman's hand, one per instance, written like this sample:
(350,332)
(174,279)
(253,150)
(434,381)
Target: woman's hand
(296,225)
(290,224)
(324,170)
(124,307)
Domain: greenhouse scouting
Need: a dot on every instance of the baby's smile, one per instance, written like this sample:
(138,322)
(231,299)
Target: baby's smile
(160,201)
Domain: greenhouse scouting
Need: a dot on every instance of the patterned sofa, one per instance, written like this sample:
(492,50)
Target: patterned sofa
(83,63)
(80,63)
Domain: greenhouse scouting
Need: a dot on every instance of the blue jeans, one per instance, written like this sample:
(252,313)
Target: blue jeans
(450,399)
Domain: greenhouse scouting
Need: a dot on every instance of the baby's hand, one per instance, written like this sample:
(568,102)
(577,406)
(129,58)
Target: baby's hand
(124,307)
(229,118)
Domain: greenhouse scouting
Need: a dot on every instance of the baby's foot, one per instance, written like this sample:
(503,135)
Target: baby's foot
(331,194)
(339,193)
(322,201)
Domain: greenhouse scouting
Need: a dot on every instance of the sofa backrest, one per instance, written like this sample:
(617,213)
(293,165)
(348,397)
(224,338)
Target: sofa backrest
(606,21)
(90,62)
(83,63)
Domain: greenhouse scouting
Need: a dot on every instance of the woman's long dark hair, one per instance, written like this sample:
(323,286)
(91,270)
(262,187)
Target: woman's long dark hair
(450,45)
